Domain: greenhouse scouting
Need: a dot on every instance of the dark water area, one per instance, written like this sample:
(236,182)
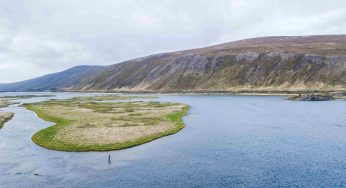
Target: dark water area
(228,141)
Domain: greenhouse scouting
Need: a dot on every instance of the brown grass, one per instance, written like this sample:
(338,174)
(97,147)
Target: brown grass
(4,117)
(83,125)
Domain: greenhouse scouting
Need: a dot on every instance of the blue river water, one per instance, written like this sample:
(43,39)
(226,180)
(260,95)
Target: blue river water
(228,141)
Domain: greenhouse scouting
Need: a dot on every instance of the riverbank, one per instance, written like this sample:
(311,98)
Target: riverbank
(81,124)
(337,93)
(254,92)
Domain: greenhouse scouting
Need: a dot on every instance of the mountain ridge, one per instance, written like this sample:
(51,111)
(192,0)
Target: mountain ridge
(265,64)
(54,82)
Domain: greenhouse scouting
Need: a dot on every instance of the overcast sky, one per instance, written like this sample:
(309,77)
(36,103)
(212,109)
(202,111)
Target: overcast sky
(44,36)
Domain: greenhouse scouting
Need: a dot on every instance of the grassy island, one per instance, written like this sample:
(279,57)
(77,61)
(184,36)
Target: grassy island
(6,101)
(24,96)
(4,117)
(82,124)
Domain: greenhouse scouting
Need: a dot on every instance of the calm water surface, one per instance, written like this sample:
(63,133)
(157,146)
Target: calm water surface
(229,141)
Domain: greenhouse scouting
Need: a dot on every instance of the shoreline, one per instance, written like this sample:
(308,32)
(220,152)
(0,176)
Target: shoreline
(335,93)
(218,92)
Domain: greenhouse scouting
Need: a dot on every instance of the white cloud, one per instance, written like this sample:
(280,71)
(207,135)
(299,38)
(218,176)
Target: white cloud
(44,36)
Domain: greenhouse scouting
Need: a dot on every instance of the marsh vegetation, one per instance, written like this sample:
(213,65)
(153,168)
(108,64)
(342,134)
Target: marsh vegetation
(4,117)
(6,101)
(24,96)
(109,98)
(83,124)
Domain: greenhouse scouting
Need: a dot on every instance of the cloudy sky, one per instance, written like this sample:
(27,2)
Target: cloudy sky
(44,36)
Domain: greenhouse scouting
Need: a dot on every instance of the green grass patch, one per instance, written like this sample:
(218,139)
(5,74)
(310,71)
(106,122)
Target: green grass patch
(131,117)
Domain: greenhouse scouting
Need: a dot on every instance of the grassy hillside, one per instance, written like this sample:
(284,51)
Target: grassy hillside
(260,64)
(55,81)
(268,64)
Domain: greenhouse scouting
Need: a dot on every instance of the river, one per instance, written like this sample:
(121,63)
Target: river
(228,141)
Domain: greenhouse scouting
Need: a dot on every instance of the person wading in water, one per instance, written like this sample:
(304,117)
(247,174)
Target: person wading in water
(109,159)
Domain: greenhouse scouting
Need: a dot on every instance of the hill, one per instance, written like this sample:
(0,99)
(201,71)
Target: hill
(267,64)
(56,81)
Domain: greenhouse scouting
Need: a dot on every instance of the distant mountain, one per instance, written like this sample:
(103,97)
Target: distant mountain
(259,64)
(56,81)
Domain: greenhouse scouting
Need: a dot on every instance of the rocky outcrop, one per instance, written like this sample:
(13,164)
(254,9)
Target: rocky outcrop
(312,97)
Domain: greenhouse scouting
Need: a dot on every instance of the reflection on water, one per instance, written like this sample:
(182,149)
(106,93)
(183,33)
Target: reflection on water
(228,141)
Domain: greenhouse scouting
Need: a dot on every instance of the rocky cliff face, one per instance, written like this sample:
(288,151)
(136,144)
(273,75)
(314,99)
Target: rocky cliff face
(262,64)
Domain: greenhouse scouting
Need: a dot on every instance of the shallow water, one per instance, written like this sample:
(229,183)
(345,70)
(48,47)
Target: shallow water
(228,141)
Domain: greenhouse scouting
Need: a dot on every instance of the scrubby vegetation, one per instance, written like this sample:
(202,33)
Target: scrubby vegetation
(81,124)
